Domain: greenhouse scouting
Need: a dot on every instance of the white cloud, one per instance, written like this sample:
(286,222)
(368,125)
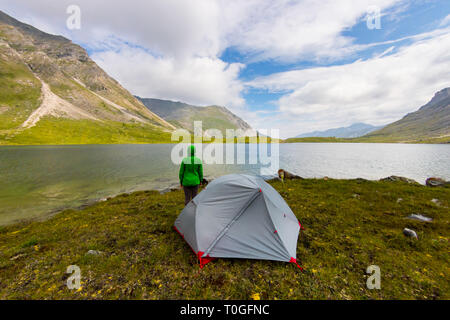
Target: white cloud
(199,80)
(181,41)
(163,49)
(170,27)
(445,21)
(293,30)
(378,91)
(283,29)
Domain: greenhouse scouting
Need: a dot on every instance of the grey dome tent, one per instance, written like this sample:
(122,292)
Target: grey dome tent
(239,216)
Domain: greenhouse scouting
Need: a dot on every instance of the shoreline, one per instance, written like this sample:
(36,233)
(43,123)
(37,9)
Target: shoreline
(173,187)
(431,141)
(281,142)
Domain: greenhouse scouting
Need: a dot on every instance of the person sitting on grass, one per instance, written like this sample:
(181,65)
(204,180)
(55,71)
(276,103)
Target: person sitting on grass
(191,175)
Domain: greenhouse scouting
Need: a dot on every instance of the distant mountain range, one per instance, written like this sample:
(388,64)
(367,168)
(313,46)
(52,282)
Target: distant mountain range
(429,124)
(432,121)
(354,131)
(182,115)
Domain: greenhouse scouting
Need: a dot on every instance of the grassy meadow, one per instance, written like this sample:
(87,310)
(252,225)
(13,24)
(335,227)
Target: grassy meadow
(60,131)
(350,224)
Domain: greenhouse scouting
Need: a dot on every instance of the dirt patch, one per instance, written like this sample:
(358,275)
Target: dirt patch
(53,105)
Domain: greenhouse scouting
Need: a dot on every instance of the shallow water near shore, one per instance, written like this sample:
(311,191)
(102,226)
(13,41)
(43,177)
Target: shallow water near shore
(37,181)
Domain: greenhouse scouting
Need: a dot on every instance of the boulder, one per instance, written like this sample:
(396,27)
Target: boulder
(284,175)
(397,178)
(410,233)
(436,182)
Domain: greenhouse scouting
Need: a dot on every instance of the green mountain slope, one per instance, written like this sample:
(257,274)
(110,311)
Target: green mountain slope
(20,89)
(46,80)
(430,123)
(183,115)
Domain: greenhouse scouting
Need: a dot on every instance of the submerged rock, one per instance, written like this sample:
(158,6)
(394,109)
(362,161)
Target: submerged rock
(170,189)
(410,233)
(420,218)
(164,191)
(397,178)
(436,182)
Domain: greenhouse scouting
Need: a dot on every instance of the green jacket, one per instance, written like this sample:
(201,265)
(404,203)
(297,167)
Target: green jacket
(191,170)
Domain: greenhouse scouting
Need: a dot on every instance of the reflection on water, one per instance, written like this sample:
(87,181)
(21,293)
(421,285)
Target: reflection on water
(36,181)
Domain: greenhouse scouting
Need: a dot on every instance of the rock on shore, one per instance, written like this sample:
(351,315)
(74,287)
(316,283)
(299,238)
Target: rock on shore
(397,178)
(436,182)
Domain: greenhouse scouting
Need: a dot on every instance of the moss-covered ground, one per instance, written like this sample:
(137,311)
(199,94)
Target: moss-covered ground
(350,225)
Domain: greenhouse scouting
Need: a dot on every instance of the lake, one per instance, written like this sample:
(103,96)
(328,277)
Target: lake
(37,181)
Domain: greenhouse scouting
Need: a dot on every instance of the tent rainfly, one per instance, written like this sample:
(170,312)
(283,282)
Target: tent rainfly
(239,216)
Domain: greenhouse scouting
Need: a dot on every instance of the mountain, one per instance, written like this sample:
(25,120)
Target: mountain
(52,92)
(353,131)
(430,122)
(183,115)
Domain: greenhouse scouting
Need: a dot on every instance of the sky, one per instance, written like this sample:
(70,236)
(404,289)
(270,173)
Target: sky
(295,66)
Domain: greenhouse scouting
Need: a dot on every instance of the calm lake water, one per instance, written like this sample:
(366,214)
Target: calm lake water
(38,181)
